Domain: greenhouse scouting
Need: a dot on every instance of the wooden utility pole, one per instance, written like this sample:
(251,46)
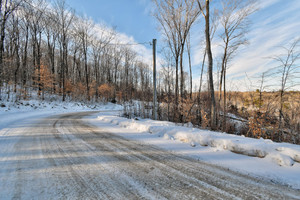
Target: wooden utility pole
(154,112)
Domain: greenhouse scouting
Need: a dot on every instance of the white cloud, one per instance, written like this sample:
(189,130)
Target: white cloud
(274,25)
(144,51)
(265,40)
(267,3)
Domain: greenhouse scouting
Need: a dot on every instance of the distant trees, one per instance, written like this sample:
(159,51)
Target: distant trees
(51,49)
(272,113)
(83,30)
(7,7)
(64,24)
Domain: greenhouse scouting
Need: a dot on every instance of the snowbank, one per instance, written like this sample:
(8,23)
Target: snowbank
(283,154)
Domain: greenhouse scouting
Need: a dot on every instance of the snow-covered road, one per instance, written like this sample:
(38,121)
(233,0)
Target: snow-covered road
(62,157)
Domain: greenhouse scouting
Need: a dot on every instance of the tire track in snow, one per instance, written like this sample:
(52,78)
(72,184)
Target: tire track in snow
(61,157)
(224,183)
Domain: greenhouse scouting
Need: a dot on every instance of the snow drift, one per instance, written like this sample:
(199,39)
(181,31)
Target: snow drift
(283,154)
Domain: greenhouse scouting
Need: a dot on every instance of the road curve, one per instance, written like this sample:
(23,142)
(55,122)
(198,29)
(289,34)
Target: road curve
(61,157)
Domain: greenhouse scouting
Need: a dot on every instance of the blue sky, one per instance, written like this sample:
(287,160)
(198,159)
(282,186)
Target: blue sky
(131,17)
(275,24)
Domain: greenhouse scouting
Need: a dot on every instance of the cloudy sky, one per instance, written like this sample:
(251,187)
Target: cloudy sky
(275,24)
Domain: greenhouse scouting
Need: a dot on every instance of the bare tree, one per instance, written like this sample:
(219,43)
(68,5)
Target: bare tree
(167,73)
(188,46)
(83,29)
(25,24)
(206,15)
(117,57)
(186,14)
(15,38)
(176,18)
(129,58)
(65,18)
(165,15)
(50,29)
(36,16)
(288,71)
(99,43)
(7,7)
(234,18)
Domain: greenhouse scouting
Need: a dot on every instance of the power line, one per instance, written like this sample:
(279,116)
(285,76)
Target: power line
(138,43)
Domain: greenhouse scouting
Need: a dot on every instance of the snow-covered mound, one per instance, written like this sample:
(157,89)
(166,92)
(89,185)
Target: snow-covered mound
(54,105)
(283,154)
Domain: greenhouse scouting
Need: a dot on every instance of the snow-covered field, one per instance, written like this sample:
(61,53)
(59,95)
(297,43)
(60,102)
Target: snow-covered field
(278,162)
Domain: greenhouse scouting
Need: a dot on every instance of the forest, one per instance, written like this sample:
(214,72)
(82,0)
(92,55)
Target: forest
(46,48)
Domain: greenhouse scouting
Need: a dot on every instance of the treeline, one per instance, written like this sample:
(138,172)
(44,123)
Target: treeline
(49,48)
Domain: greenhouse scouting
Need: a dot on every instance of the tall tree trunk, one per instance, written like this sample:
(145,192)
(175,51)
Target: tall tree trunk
(2,37)
(222,70)
(181,85)
(63,70)
(181,74)
(39,56)
(224,100)
(191,75)
(280,124)
(17,66)
(210,69)
(200,89)
(86,75)
(24,62)
(222,79)
(176,91)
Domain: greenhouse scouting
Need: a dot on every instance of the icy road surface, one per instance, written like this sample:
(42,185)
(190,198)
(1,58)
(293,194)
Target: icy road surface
(61,157)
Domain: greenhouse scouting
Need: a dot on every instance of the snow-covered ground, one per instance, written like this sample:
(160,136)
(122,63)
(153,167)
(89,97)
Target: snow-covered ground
(13,112)
(278,162)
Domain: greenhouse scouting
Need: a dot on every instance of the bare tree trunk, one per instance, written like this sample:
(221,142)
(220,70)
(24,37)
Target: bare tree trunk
(17,66)
(2,37)
(210,69)
(224,100)
(64,67)
(39,56)
(24,61)
(190,66)
(200,89)
(86,75)
(280,125)
(222,79)
(176,90)
(223,69)
(181,74)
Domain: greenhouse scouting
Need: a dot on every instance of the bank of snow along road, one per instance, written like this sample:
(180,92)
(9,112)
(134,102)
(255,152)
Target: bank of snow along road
(62,157)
